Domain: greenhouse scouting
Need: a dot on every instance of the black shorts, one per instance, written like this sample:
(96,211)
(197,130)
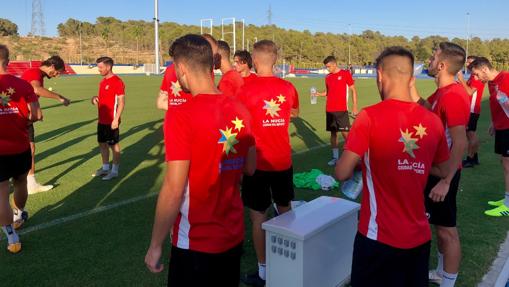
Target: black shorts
(197,269)
(106,135)
(378,264)
(442,213)
(502,142)
(472,122)
(337,121)
(259,190)
(15,165)
(31,133)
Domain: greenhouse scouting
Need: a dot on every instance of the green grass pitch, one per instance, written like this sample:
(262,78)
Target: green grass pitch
(108,248)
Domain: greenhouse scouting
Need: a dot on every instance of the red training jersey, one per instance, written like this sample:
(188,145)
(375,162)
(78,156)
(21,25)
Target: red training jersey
(337,85)
(33,74)
(171,85)
(109,91)
(397,156)
(476,97)
(270,101)
(452,105)
(499,101)
(249,78)
(15,96)
(230,83)
(211,217)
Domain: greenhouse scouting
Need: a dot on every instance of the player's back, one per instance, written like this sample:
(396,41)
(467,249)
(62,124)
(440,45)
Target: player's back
(400,141)
(270,101)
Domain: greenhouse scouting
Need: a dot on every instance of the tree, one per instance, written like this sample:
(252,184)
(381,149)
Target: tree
(8,28)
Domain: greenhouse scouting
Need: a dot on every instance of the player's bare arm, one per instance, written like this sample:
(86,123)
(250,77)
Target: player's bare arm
(346,165)
(459,145)
(45,93)
(162,100)
(355,111)
(118,114)
(167,209)
(461,80)
(250,165)
(35,112)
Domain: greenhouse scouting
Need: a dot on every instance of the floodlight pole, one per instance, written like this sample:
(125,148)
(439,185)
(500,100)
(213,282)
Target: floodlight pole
(209,20)
(468,35)
(156,31)
(243,30)
(81,50)
(349,43)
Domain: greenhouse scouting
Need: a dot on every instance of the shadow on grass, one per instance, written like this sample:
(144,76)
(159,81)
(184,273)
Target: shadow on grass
(306,132)
(51,135)
(129,184)
(60,105)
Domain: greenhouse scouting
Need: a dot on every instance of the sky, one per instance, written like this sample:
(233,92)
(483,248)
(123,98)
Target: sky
(450,18)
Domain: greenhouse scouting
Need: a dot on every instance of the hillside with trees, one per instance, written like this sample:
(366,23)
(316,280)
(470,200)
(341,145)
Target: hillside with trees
(131,42)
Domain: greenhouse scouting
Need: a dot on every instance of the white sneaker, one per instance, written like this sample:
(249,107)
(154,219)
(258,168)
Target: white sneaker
(110,175)
(36,188)
(434,277)
(332,162)
(100,172)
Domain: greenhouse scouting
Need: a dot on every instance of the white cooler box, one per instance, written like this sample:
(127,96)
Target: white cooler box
(312,245)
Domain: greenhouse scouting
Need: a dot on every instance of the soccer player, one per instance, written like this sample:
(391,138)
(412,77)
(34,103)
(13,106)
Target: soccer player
(231,81)
(271,102)
(338,83)
(50,68)
(18,106)
(475,89)
(243,63)
(110,104)
(498,85)
(398,143)
(451,103)
(200,197)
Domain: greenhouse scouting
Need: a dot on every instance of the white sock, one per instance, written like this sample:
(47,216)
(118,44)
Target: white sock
(261,270)
(506,200)
(106,166)
(17,214)
(335,153)
(12,236)
(114,168)
(448,279)
(31,180)
(440,264)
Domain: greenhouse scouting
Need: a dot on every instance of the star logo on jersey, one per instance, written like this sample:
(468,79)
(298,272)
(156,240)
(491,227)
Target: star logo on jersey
(11,91)
(339,78)
(410,143)
(420,131)
(4,99)
(229,140)
(281,99)
(272,108)
(107,87)
(175,88)
(238,124)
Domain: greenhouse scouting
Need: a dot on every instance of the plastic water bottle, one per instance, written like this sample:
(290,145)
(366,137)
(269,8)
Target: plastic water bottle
(503,100)
(313,97)
(352,188)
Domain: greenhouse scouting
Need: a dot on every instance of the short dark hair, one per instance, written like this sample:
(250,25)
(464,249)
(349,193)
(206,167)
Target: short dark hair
(479,63)
(105,60)
(454,54)
(4,54)
(265,46)
(56,62)
(245,57)
(329,59)
(472,57)
(394,51)
(210,38)
(224,48)
(194,50)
